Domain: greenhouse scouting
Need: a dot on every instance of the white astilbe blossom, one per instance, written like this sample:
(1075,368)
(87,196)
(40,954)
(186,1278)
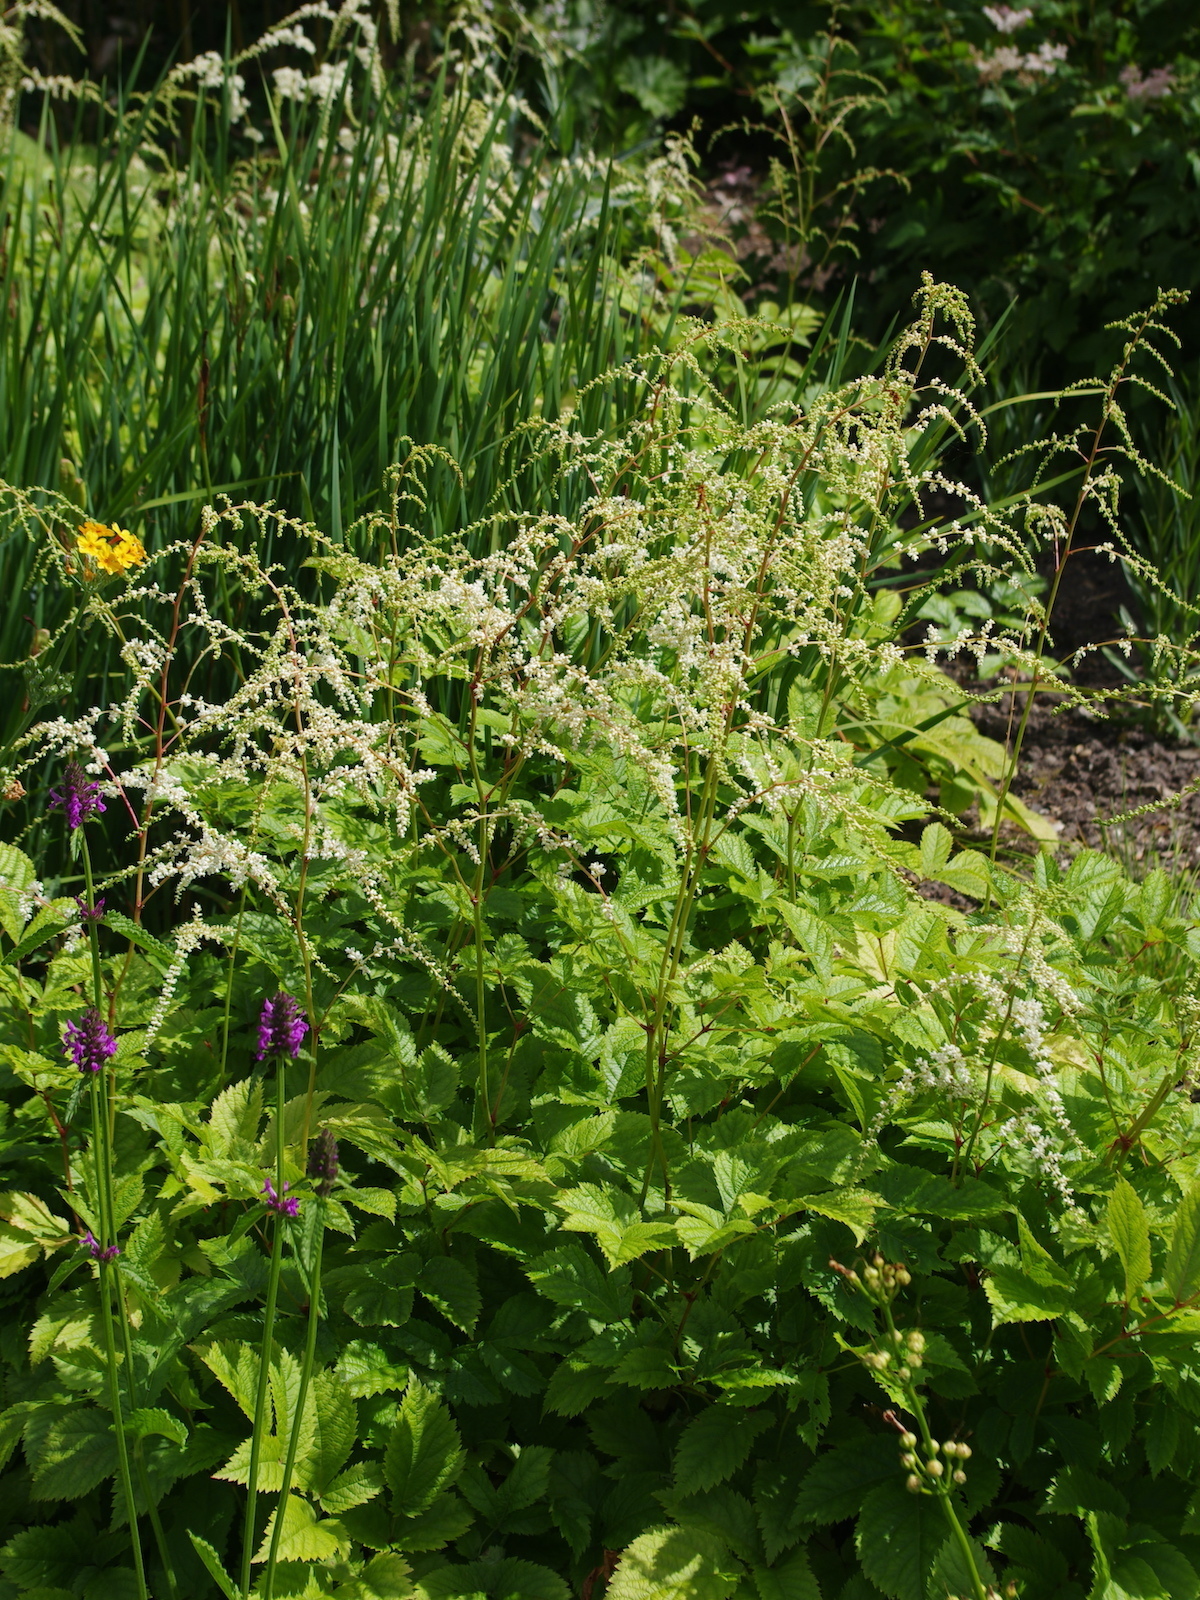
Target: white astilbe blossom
(360,767)
(1005,20)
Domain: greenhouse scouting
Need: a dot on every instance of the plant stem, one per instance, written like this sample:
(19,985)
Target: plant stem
(310,1347)
(264,1370)
(944,1490)
(106,1223)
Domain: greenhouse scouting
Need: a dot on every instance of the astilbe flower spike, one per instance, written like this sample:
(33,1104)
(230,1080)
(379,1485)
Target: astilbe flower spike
(281,1028)
(287,1205)
(78,798)
(88,1042)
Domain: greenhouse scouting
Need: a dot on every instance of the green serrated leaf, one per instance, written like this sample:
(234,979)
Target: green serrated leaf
(423,1454)
(451,1286)
(952,1574)
(1182,1272)
(212,1562)
(792,1580)
(897,1537)
(714,1445)
(674,1564)
(439,1525)
(70,1452)
(570,1277)
(149,1420)
(304,1538)
(1130,1232)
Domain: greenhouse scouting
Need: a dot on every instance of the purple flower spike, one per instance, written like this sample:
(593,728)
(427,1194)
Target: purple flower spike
(89,913)
(287,1205)
(281,1028)
(323,1163)
(78,798)
(88,1042)
(97,1252)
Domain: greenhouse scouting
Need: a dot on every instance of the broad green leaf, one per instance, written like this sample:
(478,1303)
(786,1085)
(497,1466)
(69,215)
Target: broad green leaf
(380,1294)
(69,1452)
(1015,1296)
(674,1564)
(506,1579)
(1183,1257)
(714,1445)
(897,1537)
(334,1426)
(1075,1491)
(365,1370)
(149,1420)
(12,1425)
(17,1250)
(236,1367)
(423,1454)
(1130,1230)
(855,1207)
(212,1562)
(835,1485)
(613,1217)
(304,1538)
(354,1487)
(447,1519)
(235,1116)
(32,1216)
(573,1386)
(791,1580)
(936,845)
(451,1286)
(385,1577)
(570,1277)
(952,1574)
(1174,1576)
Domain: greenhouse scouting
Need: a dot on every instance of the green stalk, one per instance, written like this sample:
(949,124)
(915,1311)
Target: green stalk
(264,1371)
(944,1488)
(310,1347)
(102,1154)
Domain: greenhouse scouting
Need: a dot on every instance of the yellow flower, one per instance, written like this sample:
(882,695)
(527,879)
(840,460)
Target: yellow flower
(112,549)
(130,549)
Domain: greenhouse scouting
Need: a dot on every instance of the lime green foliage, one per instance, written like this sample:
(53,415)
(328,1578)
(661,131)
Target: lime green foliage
(574,837)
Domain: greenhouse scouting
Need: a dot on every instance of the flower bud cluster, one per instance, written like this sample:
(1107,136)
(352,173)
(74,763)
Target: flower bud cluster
(880,1280)
(924,1474)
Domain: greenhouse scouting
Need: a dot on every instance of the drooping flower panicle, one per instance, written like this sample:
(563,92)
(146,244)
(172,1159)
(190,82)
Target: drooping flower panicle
(285,1204)
(112,549)
(323,1163)
(281,1028)
(78,798)
(88,1042)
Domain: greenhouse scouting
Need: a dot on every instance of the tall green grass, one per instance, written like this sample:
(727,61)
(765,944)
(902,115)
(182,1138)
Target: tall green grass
(289,325)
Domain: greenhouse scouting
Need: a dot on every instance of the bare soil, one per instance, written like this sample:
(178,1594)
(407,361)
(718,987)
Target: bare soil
(1090,769)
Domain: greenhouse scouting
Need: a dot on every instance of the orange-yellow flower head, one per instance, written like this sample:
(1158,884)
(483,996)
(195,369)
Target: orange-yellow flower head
(112,549)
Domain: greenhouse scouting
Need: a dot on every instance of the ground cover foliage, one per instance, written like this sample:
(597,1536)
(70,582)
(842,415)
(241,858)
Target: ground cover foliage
(514,1081)
(634,1036)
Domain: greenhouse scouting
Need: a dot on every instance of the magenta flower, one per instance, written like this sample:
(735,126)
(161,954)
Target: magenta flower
(89,913)
(287,1205)
(78,798)
(97,1251)
(281,1028)
(88,1042)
